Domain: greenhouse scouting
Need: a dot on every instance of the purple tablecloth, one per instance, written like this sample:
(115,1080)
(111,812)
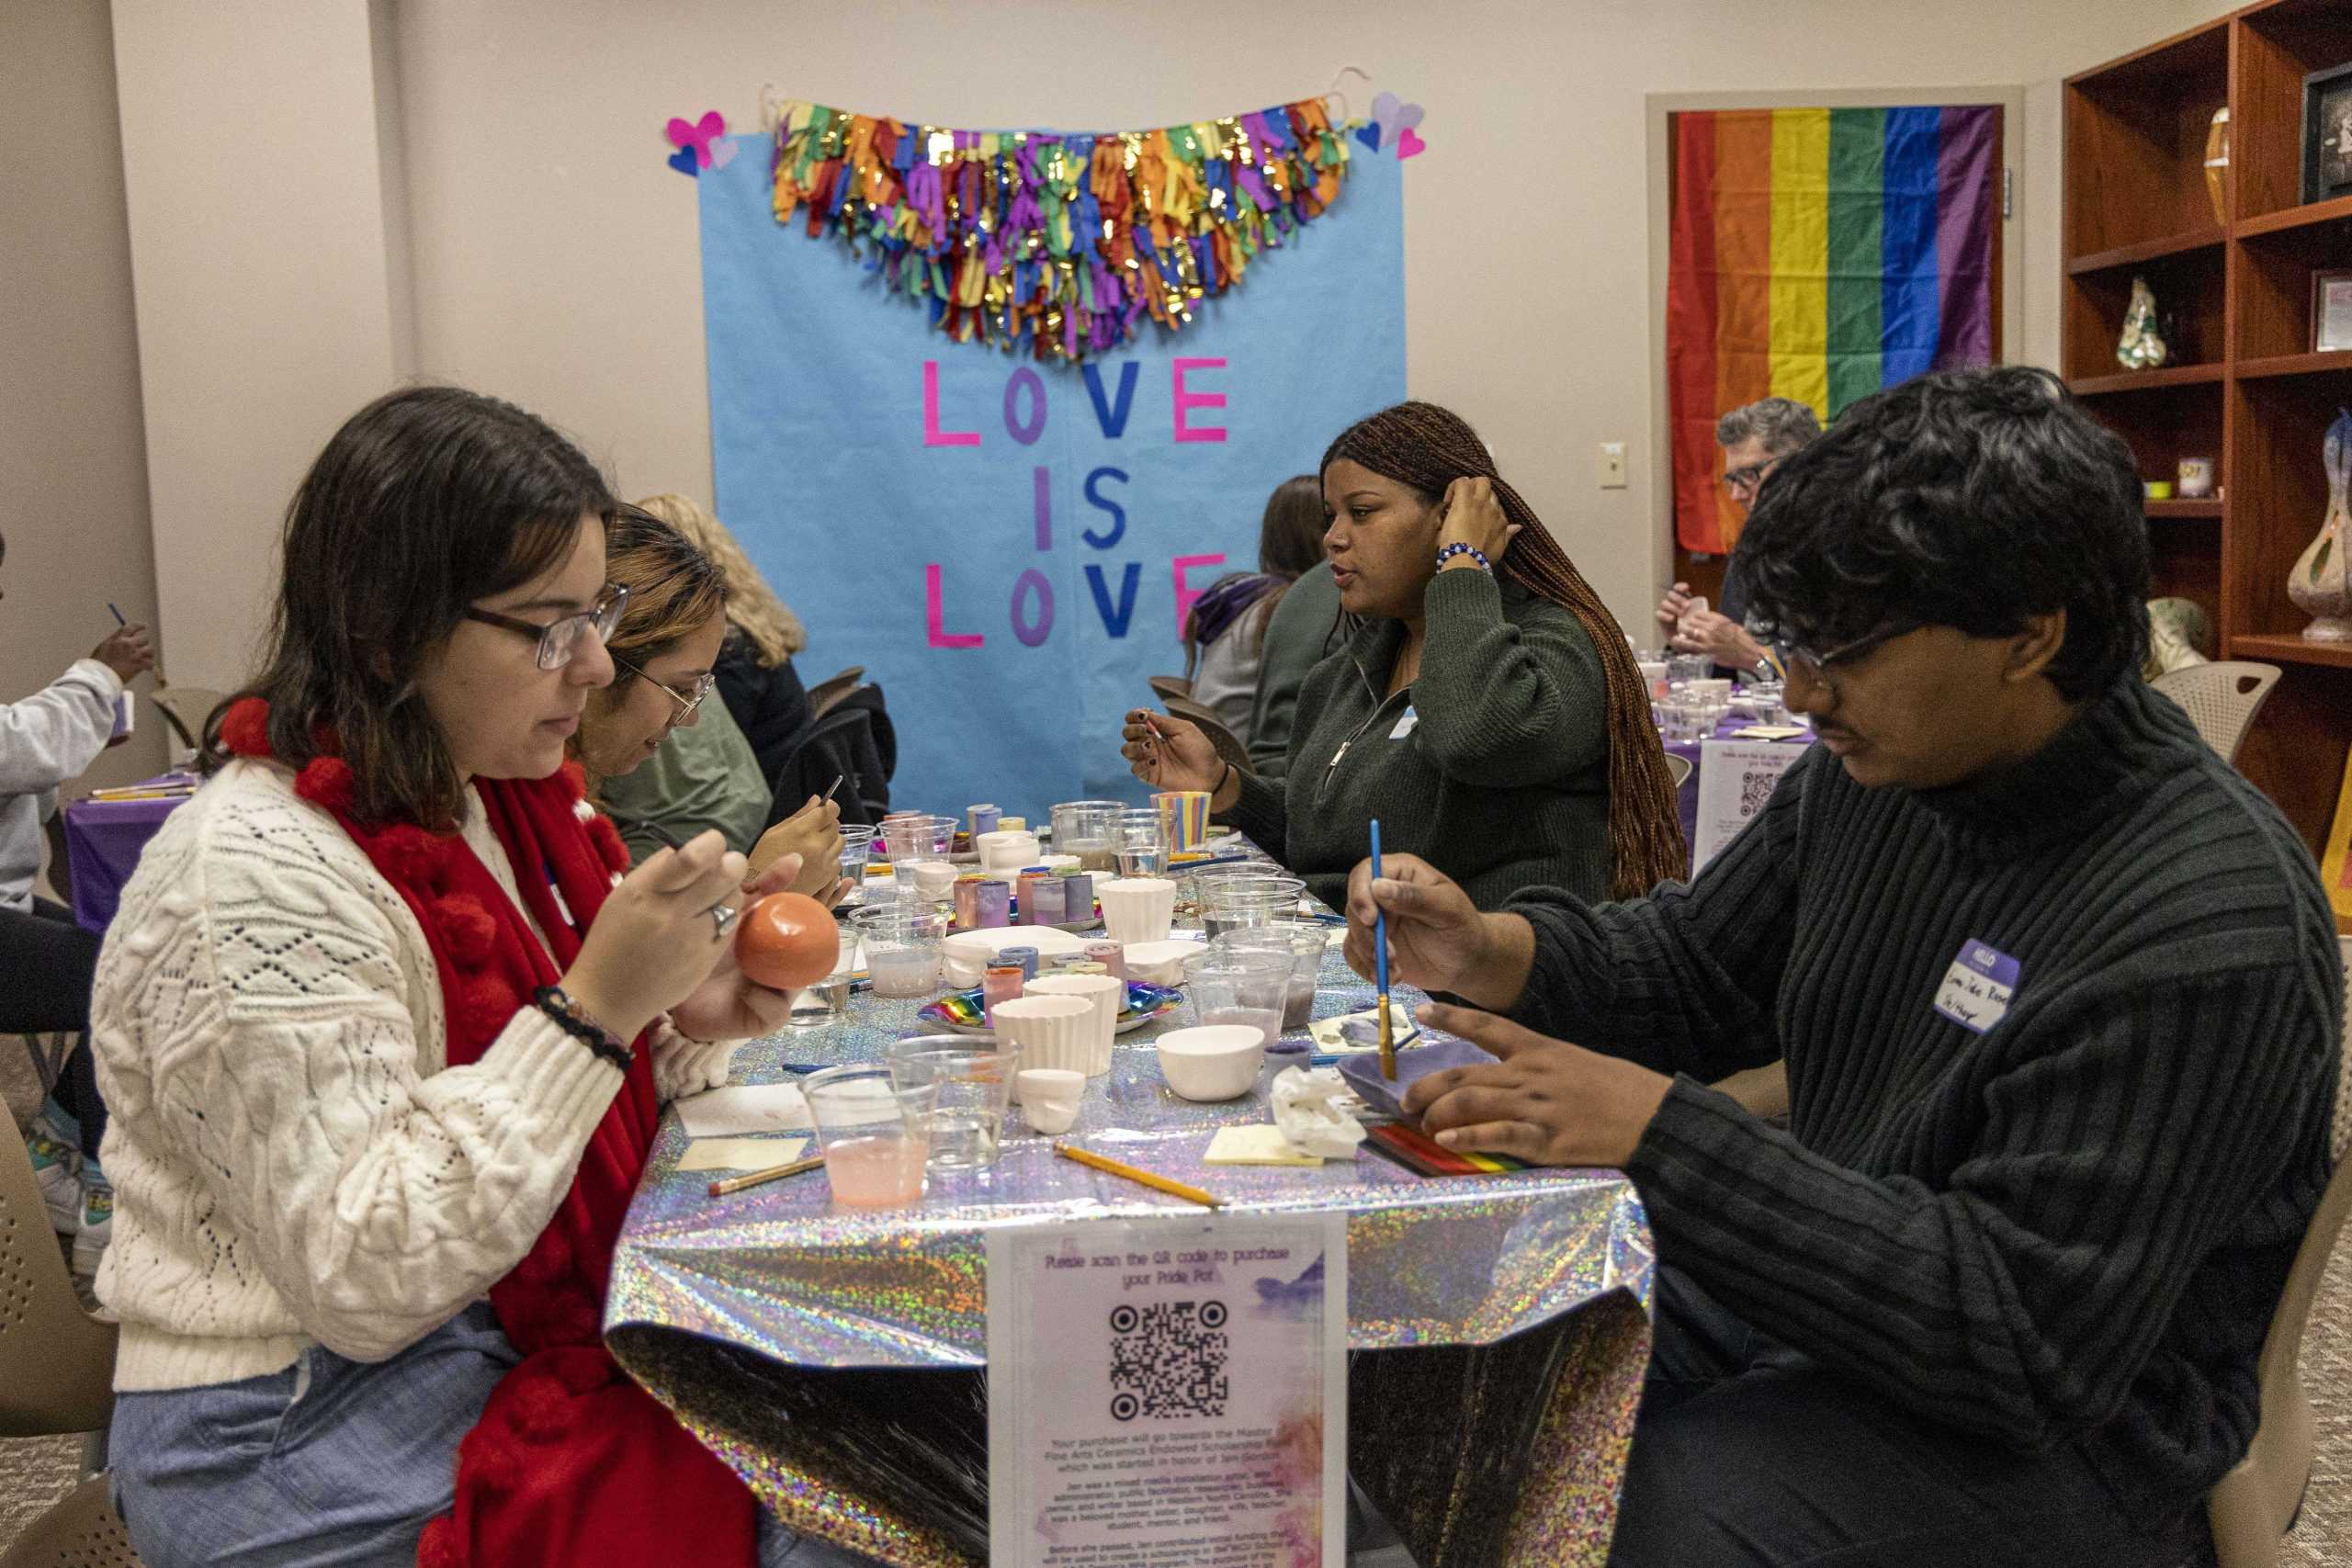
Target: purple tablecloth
(1687,799)
(103,840)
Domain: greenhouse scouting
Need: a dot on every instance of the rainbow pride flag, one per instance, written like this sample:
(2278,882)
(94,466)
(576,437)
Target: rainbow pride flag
(1818,254)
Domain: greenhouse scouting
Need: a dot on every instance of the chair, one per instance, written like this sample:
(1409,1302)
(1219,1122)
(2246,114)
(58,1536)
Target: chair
(56,1374)
(1678,770)
(185,708)
(856,743)
(826,693)
(2220,699)
(1228,744)
(1170,687)
(2256,1503)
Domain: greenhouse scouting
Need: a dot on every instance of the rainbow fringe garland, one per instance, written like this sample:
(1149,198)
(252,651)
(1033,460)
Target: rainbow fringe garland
(1061,243)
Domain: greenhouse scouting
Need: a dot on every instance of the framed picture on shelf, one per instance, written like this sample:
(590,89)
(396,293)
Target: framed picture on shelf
(2327,133)
(2331,309)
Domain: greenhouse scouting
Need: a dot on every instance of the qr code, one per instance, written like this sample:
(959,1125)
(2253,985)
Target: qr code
(1167,1359)
(1755,789)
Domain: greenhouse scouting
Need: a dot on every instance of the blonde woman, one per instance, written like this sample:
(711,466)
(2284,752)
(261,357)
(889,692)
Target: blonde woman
(660,758)
(756,678)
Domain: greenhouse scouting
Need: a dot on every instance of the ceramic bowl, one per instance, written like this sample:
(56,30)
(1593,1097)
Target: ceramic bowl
(1220,1062)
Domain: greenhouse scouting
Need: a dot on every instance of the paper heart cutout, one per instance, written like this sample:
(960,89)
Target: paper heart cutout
(1384,110)
(683,160)
(722,153)
(1408,144)
(699,135)
(1407,117)
(1369,134)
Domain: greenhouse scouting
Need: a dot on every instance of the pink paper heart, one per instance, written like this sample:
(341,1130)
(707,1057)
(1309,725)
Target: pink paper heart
(699,135)
(1408,143)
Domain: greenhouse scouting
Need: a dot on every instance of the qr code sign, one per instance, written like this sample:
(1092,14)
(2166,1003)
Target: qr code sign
(1167,1359)
(1755,789)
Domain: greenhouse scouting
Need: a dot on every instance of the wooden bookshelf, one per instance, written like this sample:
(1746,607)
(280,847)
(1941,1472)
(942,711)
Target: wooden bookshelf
(2243,384)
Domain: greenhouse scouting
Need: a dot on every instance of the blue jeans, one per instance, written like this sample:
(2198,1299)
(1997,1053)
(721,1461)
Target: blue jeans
(330,1463)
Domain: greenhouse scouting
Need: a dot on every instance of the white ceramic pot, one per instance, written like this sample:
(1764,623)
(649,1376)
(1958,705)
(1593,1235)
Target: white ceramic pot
(1138,909)
(1047,1032)
(1106,994)
(1160,963)
(1050,1098)
(1220,1062)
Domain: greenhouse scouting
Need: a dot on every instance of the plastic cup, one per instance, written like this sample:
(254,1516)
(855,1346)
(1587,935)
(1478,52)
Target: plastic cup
(1184,817)
(1681,669)
(901,948)
(1138,909)
(1236,903)
(1082,828)
(1303,946)
(815,1006)
(873,1129)
(1139,841)
(1238,988)
(971,1086)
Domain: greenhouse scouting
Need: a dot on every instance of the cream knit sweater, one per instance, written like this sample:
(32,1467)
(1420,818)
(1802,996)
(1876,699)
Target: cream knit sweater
(293,1162)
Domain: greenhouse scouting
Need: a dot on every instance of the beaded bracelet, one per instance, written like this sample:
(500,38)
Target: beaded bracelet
(1459,548)
(551,1000)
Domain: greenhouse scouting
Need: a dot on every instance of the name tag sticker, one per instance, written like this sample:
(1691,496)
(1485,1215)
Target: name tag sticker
(1404,725)
(1978,988)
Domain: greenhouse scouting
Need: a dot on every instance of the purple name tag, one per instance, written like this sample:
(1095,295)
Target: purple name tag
(1978,988)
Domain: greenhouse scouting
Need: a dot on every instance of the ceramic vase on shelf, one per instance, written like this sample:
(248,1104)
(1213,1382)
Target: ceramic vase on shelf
(2140,348)
(2217,163)
(2317,584)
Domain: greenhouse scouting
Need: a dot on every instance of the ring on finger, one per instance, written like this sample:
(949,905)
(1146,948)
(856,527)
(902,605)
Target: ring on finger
(721,916)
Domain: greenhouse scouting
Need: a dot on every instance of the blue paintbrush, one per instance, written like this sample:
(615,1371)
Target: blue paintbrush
(1380,962)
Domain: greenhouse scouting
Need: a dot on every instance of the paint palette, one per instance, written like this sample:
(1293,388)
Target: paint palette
(963,1014)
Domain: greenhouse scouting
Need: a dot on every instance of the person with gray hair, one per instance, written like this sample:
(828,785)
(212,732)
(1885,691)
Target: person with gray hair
(1755,440)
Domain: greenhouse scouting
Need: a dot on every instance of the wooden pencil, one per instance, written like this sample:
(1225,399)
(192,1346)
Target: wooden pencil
(773,1173)
(1149,1178)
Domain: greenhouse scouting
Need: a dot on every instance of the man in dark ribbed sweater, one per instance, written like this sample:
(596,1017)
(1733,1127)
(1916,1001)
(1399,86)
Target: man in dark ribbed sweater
(2060,1002)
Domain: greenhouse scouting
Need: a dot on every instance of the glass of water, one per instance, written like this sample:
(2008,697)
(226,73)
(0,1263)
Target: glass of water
(974,1085)
(1141,843)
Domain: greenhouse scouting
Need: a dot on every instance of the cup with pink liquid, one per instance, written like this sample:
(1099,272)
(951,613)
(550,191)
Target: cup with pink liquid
(1229,986)
(874,1129)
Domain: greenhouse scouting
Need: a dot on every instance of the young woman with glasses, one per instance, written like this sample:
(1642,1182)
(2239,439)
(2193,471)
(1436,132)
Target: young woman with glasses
(386,1022)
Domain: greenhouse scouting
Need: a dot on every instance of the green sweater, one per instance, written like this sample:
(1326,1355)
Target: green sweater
(2072,1227)
(1296,638)
(1501,779)
(706,775)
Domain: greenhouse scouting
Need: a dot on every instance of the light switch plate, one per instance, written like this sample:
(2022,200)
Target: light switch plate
(1613,465)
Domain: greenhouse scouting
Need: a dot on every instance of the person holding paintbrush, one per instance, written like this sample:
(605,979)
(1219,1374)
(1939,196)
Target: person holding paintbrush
(1486,707)
(2058,999)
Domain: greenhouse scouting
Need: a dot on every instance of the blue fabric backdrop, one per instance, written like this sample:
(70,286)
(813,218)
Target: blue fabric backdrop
(1002,544)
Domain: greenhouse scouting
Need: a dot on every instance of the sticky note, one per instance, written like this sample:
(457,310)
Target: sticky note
(1260,1143)
(741,1153)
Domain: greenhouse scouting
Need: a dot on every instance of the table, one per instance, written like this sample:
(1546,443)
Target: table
(1501,1320)
(1686,799)
(103,841)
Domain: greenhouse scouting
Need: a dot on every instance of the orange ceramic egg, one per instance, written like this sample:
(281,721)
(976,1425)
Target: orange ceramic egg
(788,940)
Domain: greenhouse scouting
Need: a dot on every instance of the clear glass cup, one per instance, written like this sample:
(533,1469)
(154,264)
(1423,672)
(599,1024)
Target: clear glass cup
(1139,841)
(1084,827)
(1228,985)
(1303,946)
(1233,903)
(857,843)
(873,1127)
(973,1084)
(902,947)
(1681,669)
(1682,722)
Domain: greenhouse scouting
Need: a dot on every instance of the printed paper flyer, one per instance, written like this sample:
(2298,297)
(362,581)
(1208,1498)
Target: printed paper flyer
(1169,1394)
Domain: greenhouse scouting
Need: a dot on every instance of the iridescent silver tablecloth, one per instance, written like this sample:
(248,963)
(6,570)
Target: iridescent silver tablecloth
(1467,1262)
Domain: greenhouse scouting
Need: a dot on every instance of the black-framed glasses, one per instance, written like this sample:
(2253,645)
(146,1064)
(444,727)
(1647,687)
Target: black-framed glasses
(1816,666)
(559,639)
(1748,477)
(686,703)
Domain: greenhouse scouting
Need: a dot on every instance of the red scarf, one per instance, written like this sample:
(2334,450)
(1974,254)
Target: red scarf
(570,1461)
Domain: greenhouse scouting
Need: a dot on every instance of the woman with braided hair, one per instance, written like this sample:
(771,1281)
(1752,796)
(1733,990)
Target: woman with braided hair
(1484,708)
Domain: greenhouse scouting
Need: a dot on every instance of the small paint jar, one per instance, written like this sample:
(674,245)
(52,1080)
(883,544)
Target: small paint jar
(1024,958)
(1000,982)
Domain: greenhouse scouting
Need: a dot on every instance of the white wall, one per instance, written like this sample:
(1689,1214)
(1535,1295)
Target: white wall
(556,259)
(264,285)
(73,460)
